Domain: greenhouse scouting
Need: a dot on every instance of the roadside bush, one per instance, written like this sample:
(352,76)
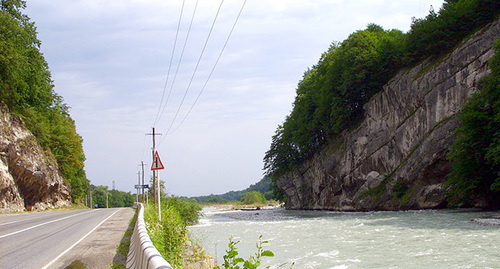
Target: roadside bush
(170,236)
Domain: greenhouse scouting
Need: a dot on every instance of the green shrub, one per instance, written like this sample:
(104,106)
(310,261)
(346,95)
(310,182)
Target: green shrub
(253,197)
(188,209)
(232,259)
(170,236)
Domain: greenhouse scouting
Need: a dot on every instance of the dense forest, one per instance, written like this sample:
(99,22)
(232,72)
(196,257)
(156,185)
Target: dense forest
(331,94)
(27,90)
(102,197)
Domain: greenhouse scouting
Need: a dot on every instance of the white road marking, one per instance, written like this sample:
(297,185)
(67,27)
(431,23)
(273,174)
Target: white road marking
(41,224)
(1,224)
(76,243)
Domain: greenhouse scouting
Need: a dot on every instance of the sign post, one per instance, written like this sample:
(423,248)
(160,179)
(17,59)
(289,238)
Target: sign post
(157,165)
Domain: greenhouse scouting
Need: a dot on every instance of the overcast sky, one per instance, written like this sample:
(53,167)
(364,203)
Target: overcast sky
(110,60)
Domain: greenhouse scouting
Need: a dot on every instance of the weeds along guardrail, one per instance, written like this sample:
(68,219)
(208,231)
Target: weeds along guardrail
(142,253)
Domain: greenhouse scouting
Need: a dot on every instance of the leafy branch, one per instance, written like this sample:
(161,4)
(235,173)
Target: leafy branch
(233,261)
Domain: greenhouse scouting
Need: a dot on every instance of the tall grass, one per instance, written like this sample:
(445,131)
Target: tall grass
(171,234)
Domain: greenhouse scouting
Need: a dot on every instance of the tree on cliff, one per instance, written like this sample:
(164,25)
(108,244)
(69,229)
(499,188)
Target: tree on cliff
(475,155)
(26,88)
(331,95)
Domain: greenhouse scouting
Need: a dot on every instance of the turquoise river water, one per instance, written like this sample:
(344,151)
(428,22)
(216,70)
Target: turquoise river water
(317,239)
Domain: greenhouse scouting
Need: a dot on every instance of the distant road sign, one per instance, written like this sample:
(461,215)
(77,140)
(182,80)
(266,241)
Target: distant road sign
(157,164)
(142,186)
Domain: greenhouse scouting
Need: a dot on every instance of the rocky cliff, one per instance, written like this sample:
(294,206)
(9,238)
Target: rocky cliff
(396,157)
(29,177)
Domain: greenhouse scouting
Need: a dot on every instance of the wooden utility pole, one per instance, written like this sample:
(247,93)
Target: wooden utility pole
(158,165)
(154,134)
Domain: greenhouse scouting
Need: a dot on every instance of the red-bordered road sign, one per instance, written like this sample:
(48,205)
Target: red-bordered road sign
(157,164)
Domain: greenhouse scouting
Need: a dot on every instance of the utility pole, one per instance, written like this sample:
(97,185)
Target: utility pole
(154,134)
(106,199)
(138,183)
(142,193)
(158,165)
(90,197)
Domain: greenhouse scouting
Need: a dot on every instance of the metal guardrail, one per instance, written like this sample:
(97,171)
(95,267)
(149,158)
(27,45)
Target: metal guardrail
(142,253)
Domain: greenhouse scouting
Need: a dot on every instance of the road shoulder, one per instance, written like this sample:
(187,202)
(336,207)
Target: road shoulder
(99,249)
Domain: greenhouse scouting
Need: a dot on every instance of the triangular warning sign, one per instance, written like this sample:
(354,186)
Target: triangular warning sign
(157,164)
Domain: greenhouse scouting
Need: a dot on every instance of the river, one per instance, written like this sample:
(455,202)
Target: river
(319,239)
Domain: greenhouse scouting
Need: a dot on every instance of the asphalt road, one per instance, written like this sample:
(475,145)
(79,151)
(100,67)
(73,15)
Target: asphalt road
(42,240)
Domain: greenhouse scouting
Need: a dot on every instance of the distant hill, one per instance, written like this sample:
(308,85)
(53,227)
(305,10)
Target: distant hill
(263,186)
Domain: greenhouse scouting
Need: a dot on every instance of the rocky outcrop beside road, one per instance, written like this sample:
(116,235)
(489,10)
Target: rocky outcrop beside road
(29,176)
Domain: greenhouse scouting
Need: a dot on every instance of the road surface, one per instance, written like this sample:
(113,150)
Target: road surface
(55,239)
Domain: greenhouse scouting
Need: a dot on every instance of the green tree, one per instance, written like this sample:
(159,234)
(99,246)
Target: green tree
(331,95)
(442,31)
(475,155)
(26,89)
(99,195)
(188,209)
(253,197)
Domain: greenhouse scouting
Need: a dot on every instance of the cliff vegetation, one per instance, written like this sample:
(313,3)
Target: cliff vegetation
(27,90)
(475,155)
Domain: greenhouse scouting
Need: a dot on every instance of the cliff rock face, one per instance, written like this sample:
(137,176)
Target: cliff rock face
(396,158)
(29,179)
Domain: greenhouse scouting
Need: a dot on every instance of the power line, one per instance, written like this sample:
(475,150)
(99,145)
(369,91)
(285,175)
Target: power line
(180,60)
(196,67)
(169,131)
(213,69)
(170,65)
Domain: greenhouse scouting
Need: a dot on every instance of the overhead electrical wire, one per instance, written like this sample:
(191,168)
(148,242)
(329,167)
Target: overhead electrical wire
(158,116)
(213,68)
(196,68)
(182,53)
(162,107)
(180,58)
